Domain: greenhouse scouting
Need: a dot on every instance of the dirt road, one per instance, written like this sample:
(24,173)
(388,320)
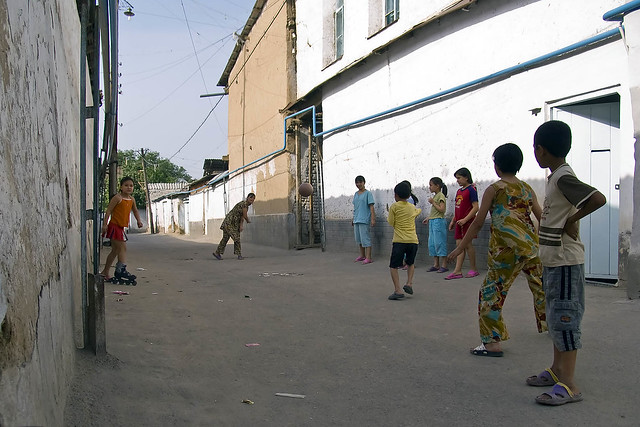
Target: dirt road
(179,355)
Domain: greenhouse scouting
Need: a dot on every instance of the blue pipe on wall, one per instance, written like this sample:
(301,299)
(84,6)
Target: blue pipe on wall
(505,72)
(618,13)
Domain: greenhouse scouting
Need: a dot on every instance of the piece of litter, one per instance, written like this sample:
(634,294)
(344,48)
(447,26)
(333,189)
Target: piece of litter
(252,344)
(121,292)
(247,296)
(140,269)
(220,300)
(154,293)
(120,299)
(248,402)
(279,274)
(295,396)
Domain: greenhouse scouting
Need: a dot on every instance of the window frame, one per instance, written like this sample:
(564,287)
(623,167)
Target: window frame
(338,22)
(391,12)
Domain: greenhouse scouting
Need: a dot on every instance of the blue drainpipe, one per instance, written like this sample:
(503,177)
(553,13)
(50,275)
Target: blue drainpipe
(618,13)
(503,73)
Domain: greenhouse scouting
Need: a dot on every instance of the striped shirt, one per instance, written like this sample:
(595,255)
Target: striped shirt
(565,194)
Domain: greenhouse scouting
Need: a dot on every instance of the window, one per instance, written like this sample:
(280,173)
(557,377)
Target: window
(339,28)
(391,11)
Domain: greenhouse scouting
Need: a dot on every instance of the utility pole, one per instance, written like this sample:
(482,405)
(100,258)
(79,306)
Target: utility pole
(146,190)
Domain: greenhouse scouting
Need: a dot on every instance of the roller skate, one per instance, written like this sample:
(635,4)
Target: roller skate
(122,276)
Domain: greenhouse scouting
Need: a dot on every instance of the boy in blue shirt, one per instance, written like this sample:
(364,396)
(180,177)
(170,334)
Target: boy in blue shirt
(567,199)
(363,216)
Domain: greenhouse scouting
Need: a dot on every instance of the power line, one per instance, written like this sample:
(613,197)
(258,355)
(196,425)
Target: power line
(173,91)
(195,51)
(196,131)
(259,40)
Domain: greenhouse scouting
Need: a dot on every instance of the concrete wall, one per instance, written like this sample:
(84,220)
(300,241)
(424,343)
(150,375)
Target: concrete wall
(39,207)
(632,29)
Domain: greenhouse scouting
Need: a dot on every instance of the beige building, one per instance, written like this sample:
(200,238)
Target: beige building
(264,158)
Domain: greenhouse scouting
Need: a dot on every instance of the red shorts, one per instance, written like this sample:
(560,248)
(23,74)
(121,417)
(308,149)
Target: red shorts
(115,232)
(461,230)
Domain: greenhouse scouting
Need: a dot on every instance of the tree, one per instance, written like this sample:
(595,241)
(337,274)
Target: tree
(158,170)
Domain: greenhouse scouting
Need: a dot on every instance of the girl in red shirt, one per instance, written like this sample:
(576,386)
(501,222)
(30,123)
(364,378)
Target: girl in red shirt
(465,213)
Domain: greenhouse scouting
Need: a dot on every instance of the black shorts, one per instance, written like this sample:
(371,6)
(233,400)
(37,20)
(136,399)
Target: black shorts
(403,252)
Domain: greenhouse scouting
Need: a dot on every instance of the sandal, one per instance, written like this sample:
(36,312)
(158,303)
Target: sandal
(408,289)
(545,378)
(443,270)
(472,273)
(217,256)
(559,395)
(432,269)
(482,351)
(395,296)
(453,276)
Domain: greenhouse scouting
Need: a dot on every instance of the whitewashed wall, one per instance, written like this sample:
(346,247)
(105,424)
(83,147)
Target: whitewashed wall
(530,28)
(437,139)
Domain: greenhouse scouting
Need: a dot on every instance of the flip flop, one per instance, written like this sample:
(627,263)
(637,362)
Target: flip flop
(482,351)
(454,276)
(559,395)
(545,378)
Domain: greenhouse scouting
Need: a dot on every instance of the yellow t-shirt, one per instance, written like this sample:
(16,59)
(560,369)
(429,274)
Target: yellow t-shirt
(402,217)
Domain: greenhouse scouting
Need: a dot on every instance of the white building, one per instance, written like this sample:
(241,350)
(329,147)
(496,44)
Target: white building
(412,89)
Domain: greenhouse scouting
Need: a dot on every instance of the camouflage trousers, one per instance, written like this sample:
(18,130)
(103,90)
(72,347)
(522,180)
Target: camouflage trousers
(230,234)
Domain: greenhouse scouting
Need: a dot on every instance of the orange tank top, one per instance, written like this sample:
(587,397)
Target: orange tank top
(121,213)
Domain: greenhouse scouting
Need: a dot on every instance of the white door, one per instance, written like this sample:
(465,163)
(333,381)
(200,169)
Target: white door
(595,129)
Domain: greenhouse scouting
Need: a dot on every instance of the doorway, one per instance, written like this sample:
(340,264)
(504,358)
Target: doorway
(309,210)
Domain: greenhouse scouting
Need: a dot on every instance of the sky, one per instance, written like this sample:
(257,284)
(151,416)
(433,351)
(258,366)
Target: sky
(171,52)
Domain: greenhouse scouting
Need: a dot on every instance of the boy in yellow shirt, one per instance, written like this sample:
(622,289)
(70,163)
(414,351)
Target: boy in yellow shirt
(402,217)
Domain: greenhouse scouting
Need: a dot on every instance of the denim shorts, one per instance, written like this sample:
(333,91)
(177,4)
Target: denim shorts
(438,237)
(361,232)
(564,294)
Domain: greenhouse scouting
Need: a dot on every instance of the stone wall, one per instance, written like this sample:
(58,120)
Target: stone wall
(39,208)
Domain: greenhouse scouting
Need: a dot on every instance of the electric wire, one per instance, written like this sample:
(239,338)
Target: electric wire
(173,91)
(259,40)
(195,51)
(197,129)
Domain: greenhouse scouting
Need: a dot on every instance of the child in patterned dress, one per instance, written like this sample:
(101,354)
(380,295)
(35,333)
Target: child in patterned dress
(513,247)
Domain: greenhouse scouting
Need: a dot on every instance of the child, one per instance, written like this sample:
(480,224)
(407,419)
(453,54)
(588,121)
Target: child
(513,247)
(363,216)
(120,206)
(465,211)
(402,217)
(437,225)
(567,200)
(232,226)
(412,197)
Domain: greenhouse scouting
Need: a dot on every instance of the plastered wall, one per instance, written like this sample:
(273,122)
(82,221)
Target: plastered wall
(39,207)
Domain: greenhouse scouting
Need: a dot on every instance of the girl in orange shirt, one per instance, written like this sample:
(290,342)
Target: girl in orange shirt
(120,206)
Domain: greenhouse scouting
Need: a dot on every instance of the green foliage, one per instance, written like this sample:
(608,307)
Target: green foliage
(159,170)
